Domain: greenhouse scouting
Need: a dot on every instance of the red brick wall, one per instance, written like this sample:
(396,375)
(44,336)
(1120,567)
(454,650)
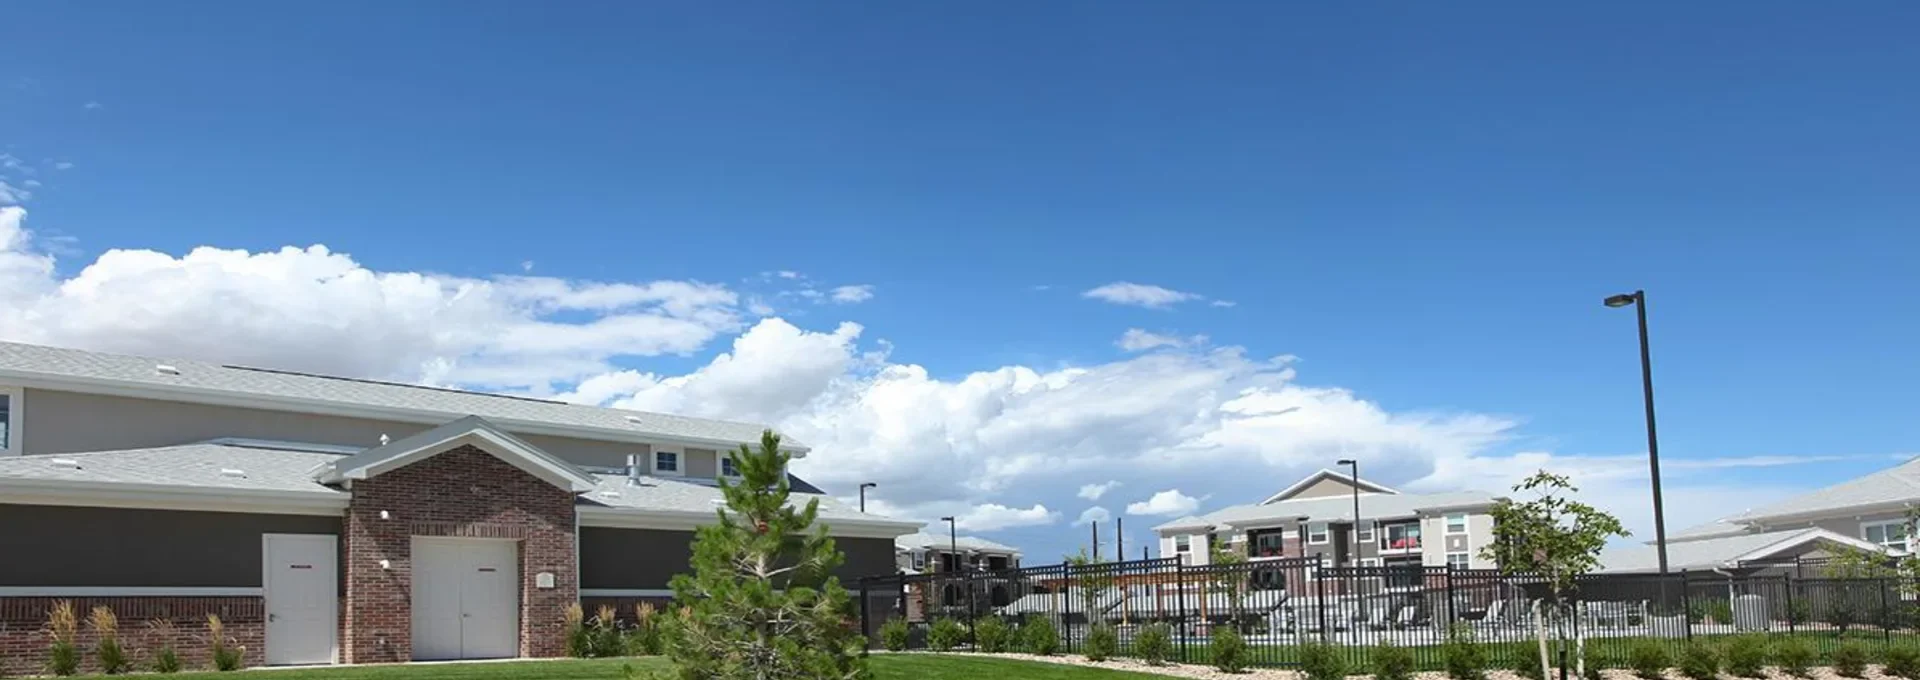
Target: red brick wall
(24,639)
(463,492)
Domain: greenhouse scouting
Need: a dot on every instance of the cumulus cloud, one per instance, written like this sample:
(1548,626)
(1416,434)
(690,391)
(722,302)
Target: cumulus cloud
(317,310)
(1093,515)
(1140,295)
(1166,504)
(994,516)
(1136,340)
(847,295)
(1093,492)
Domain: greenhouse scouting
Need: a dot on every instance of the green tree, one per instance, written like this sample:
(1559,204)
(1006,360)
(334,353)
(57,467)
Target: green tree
(1551,537)
(761,603)
(1092,576)
(1229,577)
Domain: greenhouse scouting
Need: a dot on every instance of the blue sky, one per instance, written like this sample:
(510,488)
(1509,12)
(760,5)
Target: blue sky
(1423,204)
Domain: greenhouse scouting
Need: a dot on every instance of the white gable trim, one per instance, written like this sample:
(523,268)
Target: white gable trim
(89,494)
(687,520)
(469,431)
(1324,473)
(1805,537)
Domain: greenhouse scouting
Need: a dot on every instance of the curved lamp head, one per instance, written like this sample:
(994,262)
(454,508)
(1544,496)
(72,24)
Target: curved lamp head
(1343,461)
(1621,300)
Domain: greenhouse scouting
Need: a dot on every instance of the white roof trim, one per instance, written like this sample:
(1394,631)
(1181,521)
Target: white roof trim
(218,397)
(1803,538)
(92,494)
(471,430)
(687,520)
(1324,473)
(130,591)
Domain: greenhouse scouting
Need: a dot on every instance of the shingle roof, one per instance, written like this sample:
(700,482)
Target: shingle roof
(925,540)
(16,358)
(682,495)
(1711,553)
(1338,508)
(1713,529)
(1188,522)
(192,465)
(1893,485)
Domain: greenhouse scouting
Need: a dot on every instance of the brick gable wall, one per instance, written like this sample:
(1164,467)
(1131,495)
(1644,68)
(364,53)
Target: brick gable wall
(463,492)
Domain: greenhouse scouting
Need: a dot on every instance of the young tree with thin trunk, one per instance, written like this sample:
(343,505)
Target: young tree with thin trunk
(1551,537)
(761,603)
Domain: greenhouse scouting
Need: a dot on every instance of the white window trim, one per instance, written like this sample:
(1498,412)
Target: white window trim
(919,560)
(1446,523)
(16,410)
(680,458)
(1363,532)
(720,461)
(1448,559)
(1321,529)
(1183,544)
(1905,540)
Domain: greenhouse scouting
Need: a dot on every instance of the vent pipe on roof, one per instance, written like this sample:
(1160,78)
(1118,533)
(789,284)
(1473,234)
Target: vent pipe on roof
(66,463)
(166,369)
(633,468)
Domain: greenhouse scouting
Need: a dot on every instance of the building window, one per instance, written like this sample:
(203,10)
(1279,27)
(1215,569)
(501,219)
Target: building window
(1892,534)
(1457,523)
(1183,544)
(666,461)
(919,560)
(728,468)
(1317,533)
(10,420)
(1369,561)
(1400,536)
(1458,560)
(1365,533)
(1269,544)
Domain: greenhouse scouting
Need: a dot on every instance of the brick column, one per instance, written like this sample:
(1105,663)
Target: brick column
(463,492)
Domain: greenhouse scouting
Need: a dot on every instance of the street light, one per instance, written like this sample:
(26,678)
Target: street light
(1355,465)
(863,494)
(953,542)
(1638,299)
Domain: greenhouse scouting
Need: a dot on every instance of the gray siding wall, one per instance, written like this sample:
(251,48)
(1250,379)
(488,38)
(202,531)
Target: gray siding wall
(702,464)
(67,422)
(70,546)
(647,558)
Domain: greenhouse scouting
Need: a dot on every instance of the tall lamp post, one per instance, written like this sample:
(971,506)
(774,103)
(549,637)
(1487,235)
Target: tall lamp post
(1354,557)
(1638,299)
(863,494)
(953,542)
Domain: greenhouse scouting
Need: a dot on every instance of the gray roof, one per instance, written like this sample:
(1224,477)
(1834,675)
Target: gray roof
(16,358)
(1897,484)
(925,540)
(191,465)
(1188,522)
(1713,529)
(1340,508)
(686,494)
(1710,553)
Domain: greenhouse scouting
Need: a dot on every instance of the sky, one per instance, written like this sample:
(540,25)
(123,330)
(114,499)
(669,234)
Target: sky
(1024,264)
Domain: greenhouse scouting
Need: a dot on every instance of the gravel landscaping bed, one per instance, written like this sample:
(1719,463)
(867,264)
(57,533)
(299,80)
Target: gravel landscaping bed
(1203,672)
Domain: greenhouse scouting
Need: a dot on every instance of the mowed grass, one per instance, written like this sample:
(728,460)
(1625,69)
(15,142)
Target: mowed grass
(885,667)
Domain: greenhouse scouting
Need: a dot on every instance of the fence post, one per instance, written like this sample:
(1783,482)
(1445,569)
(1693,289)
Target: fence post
(866,617)
(1791,615)
(1886,615)
(1686,606)
(1180,573)
(1452,616)
(1320,595)
(971,609)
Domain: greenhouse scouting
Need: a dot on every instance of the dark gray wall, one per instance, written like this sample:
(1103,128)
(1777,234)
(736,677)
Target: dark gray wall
(648,558)
(60,546)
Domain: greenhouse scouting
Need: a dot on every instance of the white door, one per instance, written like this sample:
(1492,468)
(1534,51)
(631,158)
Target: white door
(302,597)
(466,595)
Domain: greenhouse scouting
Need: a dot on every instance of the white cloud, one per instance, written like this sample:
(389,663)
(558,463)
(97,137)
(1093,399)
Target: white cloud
(1167,503)
(92,106)
(852,294)
(62,165)
(1093,492)
(1222,303)
(1140,295)
(14,195)
(316,310)
(1137,340)
(1093,515)
(994,516)
(785,274)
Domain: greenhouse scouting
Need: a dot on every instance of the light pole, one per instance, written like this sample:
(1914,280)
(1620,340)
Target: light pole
(953,542)
(863,494)
(1354,557)
(1638,299)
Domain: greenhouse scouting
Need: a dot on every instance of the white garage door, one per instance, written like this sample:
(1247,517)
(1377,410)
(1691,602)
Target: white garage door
(466,595)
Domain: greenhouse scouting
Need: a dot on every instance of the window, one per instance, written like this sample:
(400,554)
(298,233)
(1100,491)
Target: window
(1182,544)
(1365,533)
(1317,533)
(728,468)
(9,421)
(1892,534)
(1400,536)
(1458,560)
(666,461)
(1269,544)
(1369,561)
(1457,523)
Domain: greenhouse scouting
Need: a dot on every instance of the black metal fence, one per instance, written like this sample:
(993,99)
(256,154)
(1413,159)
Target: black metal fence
(1277,604)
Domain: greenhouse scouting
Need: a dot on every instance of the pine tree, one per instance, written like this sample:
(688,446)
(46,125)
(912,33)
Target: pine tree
(761,603)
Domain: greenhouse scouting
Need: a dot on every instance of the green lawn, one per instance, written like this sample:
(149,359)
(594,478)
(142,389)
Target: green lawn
(885,667)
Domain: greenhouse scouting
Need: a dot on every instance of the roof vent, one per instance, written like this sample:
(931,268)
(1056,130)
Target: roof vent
(235,473)
(69,463)
(634,420)
(609,494)
(634,471)
(166,369)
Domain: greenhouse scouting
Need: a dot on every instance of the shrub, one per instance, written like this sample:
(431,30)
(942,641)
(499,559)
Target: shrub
(1153,643)
(893,635)
(1794,655)
(1700,661)
(603,634)
(645,638)
(1040,636)
(1464,659)
(993,636)
(1850,659)
(1799,613)
(1720,611)
(1322,661)
(1392,662)
(578,641)
(1746,655)
(1102,642)
(226,655)
(1229,649)
(1526,664)
(63,658)
(1649,660)
(945,634)
(106,646)
(1902,661)
(160,633)
(1840,614)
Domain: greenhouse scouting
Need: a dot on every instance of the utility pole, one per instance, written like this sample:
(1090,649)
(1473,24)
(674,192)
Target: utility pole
(1119,539)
